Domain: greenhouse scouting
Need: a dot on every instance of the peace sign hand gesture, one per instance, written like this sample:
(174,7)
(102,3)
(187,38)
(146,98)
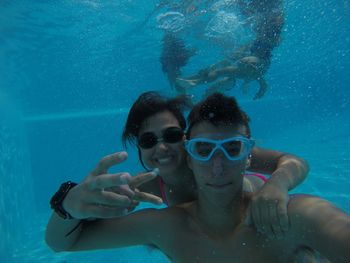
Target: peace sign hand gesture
(104,195)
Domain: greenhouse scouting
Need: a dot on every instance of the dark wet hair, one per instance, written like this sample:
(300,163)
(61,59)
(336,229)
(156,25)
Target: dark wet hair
(147,105)
(218,109)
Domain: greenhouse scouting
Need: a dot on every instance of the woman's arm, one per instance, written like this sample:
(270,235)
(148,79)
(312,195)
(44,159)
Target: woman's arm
(268,209)
(99,195)
(286,170)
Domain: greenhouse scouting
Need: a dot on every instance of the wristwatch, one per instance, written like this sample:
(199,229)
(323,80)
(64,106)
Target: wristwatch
(57,199)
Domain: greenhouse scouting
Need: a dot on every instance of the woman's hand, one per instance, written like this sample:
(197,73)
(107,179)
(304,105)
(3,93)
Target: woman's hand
(104,195)
(268,210)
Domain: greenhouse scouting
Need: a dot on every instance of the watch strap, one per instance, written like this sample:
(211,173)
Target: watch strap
(56,201)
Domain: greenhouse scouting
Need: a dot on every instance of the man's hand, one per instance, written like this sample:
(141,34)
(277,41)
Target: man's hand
(268,210)
(104,195)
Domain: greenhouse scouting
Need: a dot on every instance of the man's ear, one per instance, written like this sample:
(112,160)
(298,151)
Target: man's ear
(189,162)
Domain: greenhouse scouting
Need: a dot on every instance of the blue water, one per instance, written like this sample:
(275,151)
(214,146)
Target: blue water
(70,69)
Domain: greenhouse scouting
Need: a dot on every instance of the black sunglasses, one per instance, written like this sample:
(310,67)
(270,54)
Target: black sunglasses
(148,140)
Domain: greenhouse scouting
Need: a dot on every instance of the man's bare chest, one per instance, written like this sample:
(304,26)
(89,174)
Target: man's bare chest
(242,246)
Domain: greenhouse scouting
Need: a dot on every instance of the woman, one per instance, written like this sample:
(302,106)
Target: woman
(156,125)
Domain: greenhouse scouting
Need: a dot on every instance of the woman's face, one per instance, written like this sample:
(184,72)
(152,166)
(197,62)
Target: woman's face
(167,157)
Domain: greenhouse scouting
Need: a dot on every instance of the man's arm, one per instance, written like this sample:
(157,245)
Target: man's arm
(139,228)
(318,224)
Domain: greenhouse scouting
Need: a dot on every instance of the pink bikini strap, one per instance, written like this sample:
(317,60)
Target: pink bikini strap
(162,190)
(262,177)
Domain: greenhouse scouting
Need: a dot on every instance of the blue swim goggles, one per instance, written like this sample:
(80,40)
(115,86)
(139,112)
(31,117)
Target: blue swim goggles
(234,148)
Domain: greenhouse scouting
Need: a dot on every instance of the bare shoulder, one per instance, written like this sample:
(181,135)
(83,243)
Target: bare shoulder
(314,213)
(151,214)
(164,223)
(143,220)
(159,218)
(252,183)
(317,223)
(147,226)
(181,211)
(310,204)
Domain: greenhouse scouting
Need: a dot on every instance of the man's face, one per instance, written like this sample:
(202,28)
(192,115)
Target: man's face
(218,174)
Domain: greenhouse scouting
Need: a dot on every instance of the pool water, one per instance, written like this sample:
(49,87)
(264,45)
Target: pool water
(71,69)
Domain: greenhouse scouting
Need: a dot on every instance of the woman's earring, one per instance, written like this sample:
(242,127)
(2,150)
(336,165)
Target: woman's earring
(248,161)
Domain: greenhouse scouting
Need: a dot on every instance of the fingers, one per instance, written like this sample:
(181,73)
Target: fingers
(278,217)
(261,216)
(248,220)
(256,216)
(108,180)
(146,197)
(269,211)
(142,178)
(108,161)
(122,189)
(274,231)
(108,205)
(264,220)
(271,218)
(112,199)
(283,216)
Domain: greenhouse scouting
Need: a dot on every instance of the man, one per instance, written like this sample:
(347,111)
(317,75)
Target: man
(212,228)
